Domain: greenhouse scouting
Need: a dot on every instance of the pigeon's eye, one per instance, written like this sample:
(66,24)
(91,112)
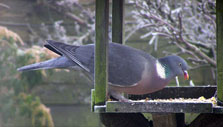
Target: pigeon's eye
(180,64)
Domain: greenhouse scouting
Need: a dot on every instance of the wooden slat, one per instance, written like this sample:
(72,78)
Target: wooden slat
(92,100)
(219,21)
(179,92)
(101,51)
(118,21)
(164,107)
(99,108)
(218,109)
(168,119)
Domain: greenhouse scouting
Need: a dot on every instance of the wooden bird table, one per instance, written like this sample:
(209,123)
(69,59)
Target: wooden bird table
(168,105)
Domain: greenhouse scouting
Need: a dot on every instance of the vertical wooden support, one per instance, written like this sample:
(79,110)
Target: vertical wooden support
(168,120)
(118,21)
(92,100)
(101,51)
(219,10)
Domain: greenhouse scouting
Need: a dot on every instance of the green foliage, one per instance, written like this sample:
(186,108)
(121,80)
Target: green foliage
(31,106)
(15,87)
(27,103)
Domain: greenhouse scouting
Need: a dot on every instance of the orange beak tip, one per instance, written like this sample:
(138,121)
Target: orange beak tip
(186,75)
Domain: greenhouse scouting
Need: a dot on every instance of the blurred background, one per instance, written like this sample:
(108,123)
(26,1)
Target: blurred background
(61,98)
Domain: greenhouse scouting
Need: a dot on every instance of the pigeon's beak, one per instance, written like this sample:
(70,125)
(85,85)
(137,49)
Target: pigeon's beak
(186,75)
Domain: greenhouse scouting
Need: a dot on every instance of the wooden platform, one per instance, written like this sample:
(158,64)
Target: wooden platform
(162,107)
(171,100)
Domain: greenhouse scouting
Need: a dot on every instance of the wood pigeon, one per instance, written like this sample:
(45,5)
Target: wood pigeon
(130,70)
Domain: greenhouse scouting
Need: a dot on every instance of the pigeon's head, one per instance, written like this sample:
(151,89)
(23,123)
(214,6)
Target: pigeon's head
(176,65)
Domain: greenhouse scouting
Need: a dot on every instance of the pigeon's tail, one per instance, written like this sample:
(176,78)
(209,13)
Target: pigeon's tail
(59,62)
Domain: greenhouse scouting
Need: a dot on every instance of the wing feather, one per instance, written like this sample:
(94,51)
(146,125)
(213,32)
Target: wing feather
(68,51)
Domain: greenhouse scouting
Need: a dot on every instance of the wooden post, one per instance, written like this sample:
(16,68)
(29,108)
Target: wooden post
(219,10)
(118,21)
(101,51)
(168,120)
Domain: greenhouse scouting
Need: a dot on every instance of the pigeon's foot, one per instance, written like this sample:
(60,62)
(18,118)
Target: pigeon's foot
(125,100)
(119,96)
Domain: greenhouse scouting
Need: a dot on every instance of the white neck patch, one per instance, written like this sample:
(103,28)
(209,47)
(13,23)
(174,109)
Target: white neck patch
(160,70)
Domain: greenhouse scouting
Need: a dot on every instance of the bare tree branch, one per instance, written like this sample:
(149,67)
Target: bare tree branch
(192,38)
(62,11)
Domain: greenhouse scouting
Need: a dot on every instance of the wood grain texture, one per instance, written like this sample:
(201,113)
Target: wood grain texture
(219,21)
(118,21)
(101,51)
(159,107)
(168,119)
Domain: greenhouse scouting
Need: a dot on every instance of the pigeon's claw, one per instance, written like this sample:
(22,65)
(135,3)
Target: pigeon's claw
(118,96)
(125,100)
